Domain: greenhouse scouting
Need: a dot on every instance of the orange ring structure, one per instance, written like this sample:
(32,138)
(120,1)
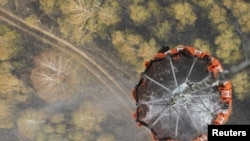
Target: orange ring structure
(213,67)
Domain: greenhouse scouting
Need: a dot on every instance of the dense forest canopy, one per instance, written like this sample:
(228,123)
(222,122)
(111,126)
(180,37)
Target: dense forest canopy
(37,80)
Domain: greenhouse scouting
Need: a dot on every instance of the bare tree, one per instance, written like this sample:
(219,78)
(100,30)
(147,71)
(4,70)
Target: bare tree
(54,77)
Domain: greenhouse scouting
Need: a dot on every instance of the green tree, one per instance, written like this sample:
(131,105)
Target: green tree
(161,29)
(55,137)
(6,114)
(60,128)
(202,45)
(48,6)
(137,1)
(241,85)
(83,20)
(218,17)
(106,137)
(183,12)
(57,118)
(126,45)
(48,129)
(205,4)
(40,137)
(133,48)
(139,14)
(81,136)
(109,13)
(146,52)
(145,12)
(9,43)
(11,88)
(30,122)
(227,41)
(241,11)
(228,47)
(33,20)
(88,117)
(156,10)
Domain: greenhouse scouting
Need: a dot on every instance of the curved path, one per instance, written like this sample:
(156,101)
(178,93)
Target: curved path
(54,41)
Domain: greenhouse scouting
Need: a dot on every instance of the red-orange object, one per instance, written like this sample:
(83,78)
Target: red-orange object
(212,66)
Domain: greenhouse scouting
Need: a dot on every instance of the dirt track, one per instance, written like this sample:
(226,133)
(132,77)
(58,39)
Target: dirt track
(118,88)
(54,41)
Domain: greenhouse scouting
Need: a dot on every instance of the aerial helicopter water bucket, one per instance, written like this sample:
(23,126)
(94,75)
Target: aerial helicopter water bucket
(173,100)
